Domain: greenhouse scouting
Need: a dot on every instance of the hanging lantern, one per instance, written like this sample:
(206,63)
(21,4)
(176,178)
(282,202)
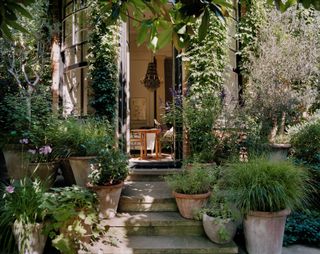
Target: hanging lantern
(151,80)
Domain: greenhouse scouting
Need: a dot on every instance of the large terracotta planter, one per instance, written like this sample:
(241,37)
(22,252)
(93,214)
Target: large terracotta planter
(45,171)
(189,205)
(109,197)
(15,161)
(81,168)
(29,237)
(264,231)
(217,230)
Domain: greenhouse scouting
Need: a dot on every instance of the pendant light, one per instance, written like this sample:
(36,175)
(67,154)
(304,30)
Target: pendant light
(151,80)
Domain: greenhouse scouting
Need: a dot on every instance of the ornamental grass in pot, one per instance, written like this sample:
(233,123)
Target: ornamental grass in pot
(107,178)
(22,216)
(192,188)
(265,191)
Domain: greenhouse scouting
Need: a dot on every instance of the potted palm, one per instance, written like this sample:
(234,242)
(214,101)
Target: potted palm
(84,139)
(192,188)
(220,219)
(107,178)
(265,191)
(22,212)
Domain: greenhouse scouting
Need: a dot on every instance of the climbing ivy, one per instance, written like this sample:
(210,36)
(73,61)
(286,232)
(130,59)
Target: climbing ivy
(206,61)
(103,66)
(253,18)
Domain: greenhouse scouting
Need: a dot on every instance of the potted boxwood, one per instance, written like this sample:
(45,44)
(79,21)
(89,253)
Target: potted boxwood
(73,218)
(265,191)
(22,212)
(108,177)
(192,188)
(84,139)
(220,218)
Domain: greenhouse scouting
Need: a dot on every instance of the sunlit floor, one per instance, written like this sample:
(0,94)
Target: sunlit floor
(151,158)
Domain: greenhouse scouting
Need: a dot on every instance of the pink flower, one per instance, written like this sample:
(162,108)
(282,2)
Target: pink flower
(32,151)
(10,189)
(45,150)
(24,141)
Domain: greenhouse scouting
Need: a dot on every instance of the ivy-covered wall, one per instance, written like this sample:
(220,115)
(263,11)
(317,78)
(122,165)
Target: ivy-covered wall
(103,62)
(206,62)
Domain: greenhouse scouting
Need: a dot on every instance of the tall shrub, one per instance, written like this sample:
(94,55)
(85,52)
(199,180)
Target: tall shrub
(103,65)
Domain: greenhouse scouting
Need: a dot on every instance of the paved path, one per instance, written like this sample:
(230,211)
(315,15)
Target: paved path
(300,249)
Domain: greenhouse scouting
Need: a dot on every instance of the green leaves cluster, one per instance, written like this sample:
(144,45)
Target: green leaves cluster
(9,13)
(159,22)
(103,65)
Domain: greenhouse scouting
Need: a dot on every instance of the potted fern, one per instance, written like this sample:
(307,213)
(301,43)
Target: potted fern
(192,188)
(265,191)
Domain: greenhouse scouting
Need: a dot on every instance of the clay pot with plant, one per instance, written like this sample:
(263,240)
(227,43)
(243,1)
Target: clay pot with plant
(22,211)
(107,178)
(265,192)
(192,188)
(84,138)
(220,218)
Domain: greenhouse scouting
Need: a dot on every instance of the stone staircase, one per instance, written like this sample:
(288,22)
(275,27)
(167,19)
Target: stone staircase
(148,221)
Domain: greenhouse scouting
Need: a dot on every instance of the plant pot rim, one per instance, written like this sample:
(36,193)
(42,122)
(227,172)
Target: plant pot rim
(99,187)
(280,145)
(82,157)
(281,213)
(191,196)
(217,218)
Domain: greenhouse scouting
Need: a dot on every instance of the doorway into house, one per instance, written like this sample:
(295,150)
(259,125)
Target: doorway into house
(147,106)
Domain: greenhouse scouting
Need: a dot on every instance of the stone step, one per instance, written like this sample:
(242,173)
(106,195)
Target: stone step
(162,245)
(155,223)
(146,196)
(150,174)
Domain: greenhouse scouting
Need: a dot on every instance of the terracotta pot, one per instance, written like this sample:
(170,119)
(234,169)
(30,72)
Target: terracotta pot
(264,231)
(29,237)
(189,205)
(45,171)
(81,168)
(15,161)
(217,230)
(279,151)
(109,197)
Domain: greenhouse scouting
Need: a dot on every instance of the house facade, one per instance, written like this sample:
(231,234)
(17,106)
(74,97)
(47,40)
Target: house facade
(137,105)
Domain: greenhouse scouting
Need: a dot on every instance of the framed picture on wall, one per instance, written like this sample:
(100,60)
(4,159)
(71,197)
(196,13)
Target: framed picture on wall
(138,109)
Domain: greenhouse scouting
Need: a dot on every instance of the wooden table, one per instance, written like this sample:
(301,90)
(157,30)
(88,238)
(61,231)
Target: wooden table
(143,141)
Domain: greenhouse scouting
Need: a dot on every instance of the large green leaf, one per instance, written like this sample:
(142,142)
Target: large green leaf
(142,33)
(165,37)
(203,28)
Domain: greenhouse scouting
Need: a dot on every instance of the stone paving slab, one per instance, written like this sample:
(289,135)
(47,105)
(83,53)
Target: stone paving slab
(300,249)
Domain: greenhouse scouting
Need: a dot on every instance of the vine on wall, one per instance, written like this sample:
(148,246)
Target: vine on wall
(103,65)
(207,61)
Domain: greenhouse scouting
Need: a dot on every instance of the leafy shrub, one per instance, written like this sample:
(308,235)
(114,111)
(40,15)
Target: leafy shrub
(86,137)
(73,217)
(200,179)
(112,167)
(306,143)
(264,185)
(303,227)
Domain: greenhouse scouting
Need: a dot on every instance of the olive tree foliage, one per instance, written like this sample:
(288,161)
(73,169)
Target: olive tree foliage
(284,69)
